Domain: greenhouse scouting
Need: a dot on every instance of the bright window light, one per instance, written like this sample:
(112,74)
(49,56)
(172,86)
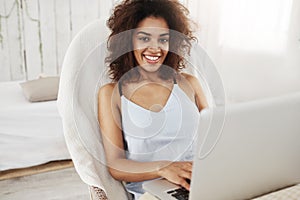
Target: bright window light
(255,25)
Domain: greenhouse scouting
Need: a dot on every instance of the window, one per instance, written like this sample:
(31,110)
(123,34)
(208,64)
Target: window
(255,25)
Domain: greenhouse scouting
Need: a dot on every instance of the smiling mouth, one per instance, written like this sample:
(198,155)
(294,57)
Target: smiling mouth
(152,59)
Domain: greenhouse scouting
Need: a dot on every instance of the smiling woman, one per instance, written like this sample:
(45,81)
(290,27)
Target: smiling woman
(151,43)
(149,114)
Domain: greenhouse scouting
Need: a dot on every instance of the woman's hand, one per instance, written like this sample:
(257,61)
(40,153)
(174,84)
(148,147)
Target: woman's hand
(177,172)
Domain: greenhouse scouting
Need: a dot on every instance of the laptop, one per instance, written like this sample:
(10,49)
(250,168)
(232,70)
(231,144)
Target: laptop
(243,151)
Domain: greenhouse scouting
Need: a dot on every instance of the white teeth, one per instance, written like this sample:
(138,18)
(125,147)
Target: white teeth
(152,57)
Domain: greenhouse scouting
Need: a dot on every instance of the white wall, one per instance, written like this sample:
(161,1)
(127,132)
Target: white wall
(254,43)
(34,34)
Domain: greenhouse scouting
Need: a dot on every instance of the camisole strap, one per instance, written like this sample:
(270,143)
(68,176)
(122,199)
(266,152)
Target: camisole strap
(120,88)
(174,79)
(120,85)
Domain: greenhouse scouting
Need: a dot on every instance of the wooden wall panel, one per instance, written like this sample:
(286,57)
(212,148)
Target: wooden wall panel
(35,34)
(63,31)
(14,40)
(10,42)
(48,36)
(32,38)
(4,45)
(105,8)
(82,14)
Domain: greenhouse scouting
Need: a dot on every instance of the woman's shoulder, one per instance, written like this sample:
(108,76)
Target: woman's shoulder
(190,80)
(107,89)
(108,93)
(189,77)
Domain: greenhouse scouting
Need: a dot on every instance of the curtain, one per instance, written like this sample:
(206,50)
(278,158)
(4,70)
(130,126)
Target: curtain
(254,44)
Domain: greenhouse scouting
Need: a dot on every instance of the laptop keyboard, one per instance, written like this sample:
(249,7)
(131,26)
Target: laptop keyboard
(180,193)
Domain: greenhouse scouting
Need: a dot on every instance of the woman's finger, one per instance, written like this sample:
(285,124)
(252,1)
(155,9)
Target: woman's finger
(185,174)
(184,184)
(187,166)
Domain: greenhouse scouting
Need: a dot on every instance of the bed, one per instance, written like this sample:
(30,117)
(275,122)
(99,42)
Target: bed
(30,133)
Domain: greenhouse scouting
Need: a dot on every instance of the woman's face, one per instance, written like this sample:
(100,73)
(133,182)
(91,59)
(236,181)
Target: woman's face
(151,43)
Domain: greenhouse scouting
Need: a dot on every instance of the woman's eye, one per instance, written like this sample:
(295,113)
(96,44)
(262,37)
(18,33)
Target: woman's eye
(144,39)
(163,40)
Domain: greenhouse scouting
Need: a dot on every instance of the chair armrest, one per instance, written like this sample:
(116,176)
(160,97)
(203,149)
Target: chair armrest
(97,193)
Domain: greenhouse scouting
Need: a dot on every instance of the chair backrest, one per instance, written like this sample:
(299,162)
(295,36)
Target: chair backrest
(82,75)
(84,72)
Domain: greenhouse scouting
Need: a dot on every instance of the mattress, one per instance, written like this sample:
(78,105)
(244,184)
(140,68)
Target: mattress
(30,133)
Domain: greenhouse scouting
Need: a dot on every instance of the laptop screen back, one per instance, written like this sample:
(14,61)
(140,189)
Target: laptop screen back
(255,150)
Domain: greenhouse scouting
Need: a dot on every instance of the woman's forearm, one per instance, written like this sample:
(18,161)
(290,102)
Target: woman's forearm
(133,171)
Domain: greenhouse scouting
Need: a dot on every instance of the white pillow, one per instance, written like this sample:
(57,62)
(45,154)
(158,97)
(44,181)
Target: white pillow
(42,89)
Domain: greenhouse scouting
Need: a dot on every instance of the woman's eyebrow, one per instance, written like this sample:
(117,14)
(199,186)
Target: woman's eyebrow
(148,34)
(164,34)
(142,32)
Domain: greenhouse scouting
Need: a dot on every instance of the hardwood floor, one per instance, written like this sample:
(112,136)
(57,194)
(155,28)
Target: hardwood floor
(50,166)
(63,184)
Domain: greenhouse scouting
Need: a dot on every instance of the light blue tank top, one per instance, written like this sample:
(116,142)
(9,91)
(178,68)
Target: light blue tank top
(165,135)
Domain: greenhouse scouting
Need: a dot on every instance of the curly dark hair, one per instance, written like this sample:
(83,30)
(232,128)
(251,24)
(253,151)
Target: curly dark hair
(127,15)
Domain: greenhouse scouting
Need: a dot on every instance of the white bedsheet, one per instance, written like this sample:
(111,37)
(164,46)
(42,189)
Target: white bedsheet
(30,133)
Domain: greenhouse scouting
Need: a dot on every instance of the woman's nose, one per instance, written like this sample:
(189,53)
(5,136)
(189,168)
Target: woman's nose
(154,46)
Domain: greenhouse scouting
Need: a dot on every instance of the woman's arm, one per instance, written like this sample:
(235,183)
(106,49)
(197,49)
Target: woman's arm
(200,98)
(119,166)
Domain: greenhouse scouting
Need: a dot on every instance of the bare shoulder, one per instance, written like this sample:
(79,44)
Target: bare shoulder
(106,89)
(200,98)
(193,80)
(108,94)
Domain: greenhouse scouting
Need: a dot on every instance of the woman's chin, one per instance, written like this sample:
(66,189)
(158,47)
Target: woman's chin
(150,68)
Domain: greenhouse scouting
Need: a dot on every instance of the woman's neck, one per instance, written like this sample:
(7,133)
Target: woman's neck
(149,76)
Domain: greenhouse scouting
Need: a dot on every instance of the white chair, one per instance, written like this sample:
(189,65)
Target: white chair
(83,72)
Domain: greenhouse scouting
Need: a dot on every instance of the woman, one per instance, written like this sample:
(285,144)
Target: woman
(148,115)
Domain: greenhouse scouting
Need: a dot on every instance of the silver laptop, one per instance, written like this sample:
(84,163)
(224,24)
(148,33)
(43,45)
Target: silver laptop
(255,151)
